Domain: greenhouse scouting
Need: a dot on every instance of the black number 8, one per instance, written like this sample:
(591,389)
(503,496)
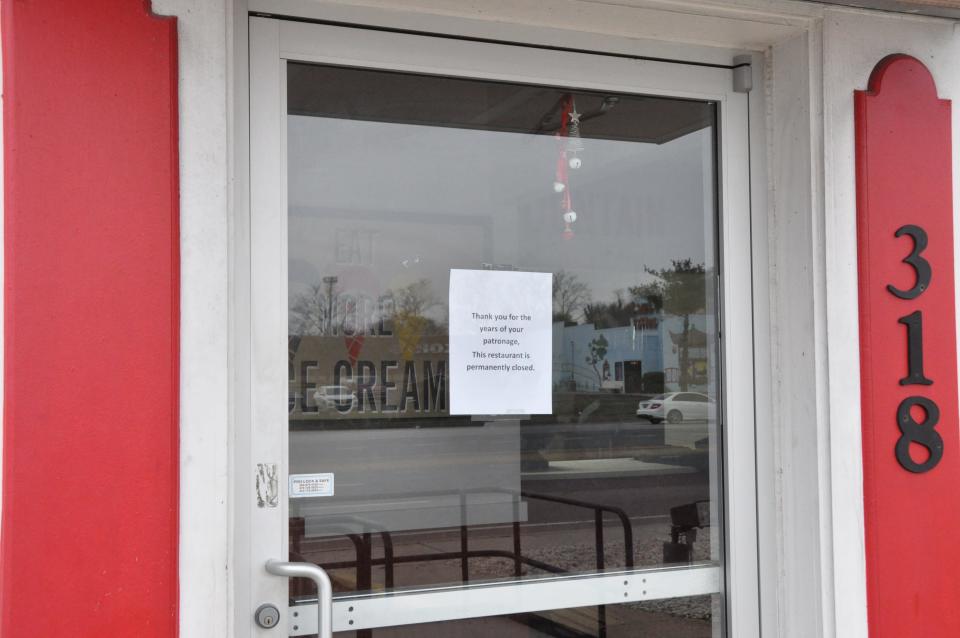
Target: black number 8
(920,265)
(920,433)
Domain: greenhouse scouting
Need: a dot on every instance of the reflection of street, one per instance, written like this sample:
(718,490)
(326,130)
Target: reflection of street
(692,434)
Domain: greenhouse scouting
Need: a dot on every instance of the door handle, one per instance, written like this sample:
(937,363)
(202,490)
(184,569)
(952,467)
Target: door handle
(324,590)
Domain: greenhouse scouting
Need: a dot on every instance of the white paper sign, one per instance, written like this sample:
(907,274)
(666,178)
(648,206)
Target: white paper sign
(305,485)
(501,342)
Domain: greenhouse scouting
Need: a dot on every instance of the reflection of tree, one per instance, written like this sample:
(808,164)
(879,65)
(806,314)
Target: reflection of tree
(417,298)
(411,303)
(409,309)
(353,314)
(679,290)
(308,311)
(620,312)
(569,295)
(598,350)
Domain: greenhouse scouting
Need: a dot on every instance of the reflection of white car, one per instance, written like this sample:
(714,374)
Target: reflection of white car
(676,407)
(335,397)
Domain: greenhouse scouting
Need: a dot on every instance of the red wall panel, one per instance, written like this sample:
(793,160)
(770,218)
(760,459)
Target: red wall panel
(911,518)
(90,490)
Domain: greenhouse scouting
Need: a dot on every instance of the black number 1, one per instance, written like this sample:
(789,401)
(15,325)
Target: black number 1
(914,324)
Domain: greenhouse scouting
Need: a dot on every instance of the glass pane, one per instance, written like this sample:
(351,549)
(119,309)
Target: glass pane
(397,179)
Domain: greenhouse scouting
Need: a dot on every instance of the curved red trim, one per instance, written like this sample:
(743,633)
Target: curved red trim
(907,72)
(91,311)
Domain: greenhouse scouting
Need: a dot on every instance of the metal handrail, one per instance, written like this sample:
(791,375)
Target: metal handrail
(324,590)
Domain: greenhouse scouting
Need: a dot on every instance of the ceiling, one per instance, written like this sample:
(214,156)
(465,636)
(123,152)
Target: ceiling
(363,94)
(943,8)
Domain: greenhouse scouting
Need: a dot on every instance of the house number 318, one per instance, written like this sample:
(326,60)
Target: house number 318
(912,431)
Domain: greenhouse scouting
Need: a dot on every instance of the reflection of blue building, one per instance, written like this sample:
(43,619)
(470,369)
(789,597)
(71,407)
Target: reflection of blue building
(631,351)
(625,345)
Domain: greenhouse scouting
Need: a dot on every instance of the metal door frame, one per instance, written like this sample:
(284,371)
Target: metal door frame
(272,43)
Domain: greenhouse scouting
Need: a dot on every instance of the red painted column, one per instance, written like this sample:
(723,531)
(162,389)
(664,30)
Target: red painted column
(90,489)
(908,352)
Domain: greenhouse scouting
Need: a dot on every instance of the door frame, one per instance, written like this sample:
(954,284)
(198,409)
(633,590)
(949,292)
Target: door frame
(256,420)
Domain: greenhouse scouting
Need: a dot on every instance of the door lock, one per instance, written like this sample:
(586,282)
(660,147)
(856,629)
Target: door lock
(324,590)
(267,616)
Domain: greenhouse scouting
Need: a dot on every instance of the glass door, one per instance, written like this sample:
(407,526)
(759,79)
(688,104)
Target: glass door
(488,391)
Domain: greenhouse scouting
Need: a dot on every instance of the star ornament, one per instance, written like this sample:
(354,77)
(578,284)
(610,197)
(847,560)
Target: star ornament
(574,116)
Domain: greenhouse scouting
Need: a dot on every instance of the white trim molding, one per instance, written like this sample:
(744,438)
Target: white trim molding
(205,529)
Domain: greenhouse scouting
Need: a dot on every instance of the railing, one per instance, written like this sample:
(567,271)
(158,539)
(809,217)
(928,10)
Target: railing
(365,561)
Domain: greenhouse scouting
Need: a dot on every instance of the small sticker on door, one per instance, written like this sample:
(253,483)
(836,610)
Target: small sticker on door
(267,485)
(306,485)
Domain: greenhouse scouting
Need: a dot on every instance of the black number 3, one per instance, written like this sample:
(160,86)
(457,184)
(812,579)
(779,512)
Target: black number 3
(920,265)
